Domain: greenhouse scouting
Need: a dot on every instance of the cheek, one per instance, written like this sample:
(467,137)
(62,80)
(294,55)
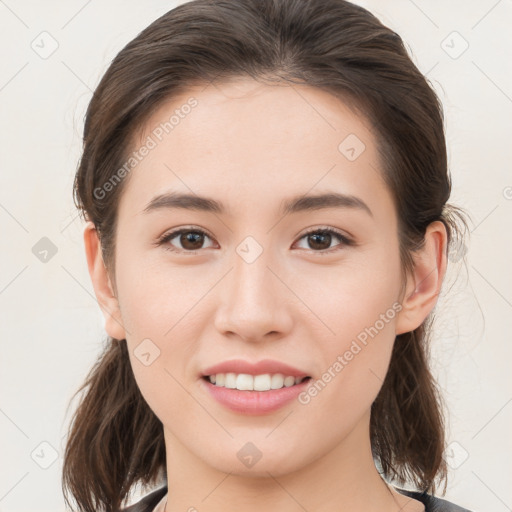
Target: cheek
(351,298)
(354,363)
(158,313)
(359,306)
(162,343)
(157,299)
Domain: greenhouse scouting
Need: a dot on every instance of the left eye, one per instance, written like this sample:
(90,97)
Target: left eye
(319,238)
(192,240)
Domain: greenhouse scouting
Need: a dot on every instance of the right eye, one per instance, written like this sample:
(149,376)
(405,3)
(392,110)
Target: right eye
(191,240)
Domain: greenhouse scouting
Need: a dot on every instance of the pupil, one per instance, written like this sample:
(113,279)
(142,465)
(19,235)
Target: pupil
(317,236)
(191,237)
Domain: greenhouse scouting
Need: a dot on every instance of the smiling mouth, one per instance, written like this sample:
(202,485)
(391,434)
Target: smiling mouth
(246,382)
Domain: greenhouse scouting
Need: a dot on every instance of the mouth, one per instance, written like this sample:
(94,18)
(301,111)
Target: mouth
(259,394)
(260,387)
(247,382)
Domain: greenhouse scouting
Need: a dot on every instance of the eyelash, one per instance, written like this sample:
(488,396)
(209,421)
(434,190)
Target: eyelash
(345,241)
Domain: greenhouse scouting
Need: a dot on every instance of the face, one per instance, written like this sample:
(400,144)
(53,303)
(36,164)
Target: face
(314,286)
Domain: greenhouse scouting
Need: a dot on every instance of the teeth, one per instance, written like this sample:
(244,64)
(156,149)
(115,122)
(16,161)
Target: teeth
(230,381)
(246,382)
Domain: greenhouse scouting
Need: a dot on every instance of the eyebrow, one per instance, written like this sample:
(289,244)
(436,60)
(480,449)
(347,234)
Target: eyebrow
(302,203)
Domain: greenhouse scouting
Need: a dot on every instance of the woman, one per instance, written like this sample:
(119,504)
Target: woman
(265,188)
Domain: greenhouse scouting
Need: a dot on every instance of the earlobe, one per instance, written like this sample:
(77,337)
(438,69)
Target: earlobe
(424,283)
(101,282)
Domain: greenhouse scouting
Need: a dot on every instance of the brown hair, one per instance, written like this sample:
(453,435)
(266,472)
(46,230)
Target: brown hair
(115,439)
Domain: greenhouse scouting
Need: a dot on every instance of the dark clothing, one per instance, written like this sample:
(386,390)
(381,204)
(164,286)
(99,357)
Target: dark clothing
(432,504)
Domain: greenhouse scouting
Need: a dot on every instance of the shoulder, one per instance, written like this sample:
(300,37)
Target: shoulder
(432,503)
(148,502)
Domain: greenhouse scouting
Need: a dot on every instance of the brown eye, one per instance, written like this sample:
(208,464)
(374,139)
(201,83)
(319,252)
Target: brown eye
(188,240)
(191,240)
(320,240)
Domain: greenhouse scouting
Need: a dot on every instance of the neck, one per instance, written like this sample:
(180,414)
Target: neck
(345,478)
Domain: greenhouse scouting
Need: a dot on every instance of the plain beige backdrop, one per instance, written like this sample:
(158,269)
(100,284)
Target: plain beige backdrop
(53,55)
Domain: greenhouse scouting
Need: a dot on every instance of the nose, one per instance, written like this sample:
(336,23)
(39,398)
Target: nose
(254,302)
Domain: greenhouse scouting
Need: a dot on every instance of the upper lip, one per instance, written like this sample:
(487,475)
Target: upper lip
(257,368)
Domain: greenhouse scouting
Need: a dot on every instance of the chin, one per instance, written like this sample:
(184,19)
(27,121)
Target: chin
(248,461)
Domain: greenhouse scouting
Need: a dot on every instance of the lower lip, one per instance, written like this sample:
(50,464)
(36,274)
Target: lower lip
(255,402)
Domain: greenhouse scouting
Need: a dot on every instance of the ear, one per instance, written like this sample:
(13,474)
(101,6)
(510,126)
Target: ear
(102,285)
(424,283)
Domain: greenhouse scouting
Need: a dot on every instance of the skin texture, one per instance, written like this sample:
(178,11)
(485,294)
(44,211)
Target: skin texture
(251,146)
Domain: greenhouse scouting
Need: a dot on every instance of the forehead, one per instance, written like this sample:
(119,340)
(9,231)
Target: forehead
(248,141)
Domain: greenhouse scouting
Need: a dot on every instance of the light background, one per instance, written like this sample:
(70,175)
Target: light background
(52,327)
